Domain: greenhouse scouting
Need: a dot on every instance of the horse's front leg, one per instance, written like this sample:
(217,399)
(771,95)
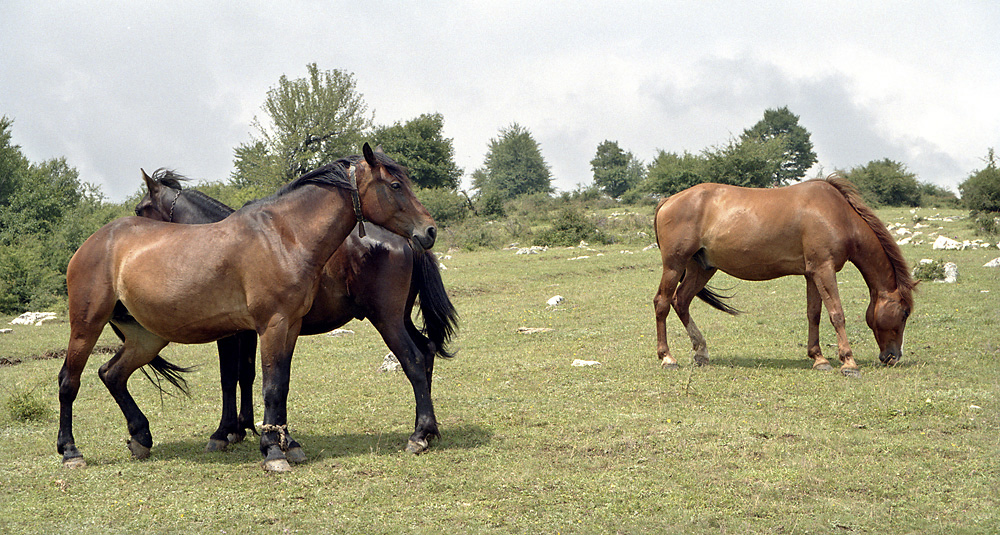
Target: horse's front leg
(277,342)
(416,366)
(814,309)
(826,286)
(230,367)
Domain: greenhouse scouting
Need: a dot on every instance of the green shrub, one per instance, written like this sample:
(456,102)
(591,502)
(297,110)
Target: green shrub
(929,271)
(24,405)
(447,206)
(569,228)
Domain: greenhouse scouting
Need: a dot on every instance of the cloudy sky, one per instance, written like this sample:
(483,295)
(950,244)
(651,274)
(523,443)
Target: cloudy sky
(118,85)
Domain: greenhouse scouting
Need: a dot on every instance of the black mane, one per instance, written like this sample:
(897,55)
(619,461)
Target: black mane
(173,180)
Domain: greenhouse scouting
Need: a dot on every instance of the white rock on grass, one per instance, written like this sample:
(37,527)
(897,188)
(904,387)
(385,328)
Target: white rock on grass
(390,363)
(555,300)
(33,318)
(995,263)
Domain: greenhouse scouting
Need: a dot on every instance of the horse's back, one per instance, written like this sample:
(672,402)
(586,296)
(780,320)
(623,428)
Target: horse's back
(757,233)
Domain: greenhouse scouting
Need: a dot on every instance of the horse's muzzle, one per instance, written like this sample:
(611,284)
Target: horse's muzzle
(425,240)
(891,356)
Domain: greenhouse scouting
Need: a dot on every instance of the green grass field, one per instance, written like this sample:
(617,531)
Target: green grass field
(757,442)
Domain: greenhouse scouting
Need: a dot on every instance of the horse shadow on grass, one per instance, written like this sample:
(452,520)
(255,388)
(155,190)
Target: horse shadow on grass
(322,447)
(793,363)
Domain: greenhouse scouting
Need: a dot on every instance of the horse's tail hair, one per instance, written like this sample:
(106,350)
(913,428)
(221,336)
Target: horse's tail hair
(715,299)
(164,369)
(438,312)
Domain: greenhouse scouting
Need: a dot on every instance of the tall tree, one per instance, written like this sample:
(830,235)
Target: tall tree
(747,162)
(420,145)
(670,172)
(514,166)
(615,171)
(797,154)
(309,121)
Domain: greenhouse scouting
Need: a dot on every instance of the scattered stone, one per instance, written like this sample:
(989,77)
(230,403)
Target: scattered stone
(578,362)
(993,263)
(653,246)
(33,318)
(580,257)
(950,272)
(555,300)
(533,330)
(340,332)
(944,242)
(5,331)
(534,249)
(390,363)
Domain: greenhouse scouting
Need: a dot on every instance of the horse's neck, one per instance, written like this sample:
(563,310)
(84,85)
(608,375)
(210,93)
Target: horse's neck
(315,220)
(872,261)
(194,207)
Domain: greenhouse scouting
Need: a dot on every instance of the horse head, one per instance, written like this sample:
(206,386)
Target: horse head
(387,199)
(886,316)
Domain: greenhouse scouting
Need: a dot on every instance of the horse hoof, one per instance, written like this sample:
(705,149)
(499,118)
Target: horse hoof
(669,365)
(417,446)
(825,367)
(295,455)
(276,465)
(850,372)
(215,444)
(138,450)
(74,462)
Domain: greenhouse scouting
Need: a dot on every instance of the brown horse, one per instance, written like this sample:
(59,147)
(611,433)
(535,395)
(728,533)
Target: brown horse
(808,229)
(257,270)
(377,277)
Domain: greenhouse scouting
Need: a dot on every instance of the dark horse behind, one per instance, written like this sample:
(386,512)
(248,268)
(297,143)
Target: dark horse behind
(377,277)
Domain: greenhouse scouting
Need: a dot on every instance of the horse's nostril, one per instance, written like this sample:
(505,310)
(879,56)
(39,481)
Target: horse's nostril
(432,234)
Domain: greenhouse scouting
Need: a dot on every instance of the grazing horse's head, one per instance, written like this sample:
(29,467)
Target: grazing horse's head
(887,315)
(387,199)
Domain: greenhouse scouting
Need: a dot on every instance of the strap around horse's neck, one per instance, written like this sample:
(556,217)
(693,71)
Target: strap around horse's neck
(170,216)
(356,197)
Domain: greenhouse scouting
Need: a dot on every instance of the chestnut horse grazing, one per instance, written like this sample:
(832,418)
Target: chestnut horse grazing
(808,229)
(377,277)
(257,270)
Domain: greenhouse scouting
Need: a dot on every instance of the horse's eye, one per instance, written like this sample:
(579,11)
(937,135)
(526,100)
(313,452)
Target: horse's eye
(395,185)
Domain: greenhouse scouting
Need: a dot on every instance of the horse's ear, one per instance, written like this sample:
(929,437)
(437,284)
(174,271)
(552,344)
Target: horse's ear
(151,184)
(369,155)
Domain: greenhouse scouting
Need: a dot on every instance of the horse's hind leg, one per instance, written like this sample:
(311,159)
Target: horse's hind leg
(415,364)
(695,278)
(139,349)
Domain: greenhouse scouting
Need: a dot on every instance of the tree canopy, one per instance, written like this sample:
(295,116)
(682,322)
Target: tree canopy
(421,147)
(309,121)
(981,191)
(615,171)
(797,154)
(513,167)
(886,183)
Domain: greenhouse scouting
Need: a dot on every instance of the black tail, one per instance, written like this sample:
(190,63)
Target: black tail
(164,369)
(716,300)
(439,314)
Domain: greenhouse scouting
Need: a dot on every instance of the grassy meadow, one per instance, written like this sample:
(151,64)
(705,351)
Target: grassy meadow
(757,442)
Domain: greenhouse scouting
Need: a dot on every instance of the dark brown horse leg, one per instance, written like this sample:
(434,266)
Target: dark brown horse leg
(140,348)
(814,309)
(81,344)
(415,365)
(662,302)
(826,286)
(277,342)
(695,278)
(234,353)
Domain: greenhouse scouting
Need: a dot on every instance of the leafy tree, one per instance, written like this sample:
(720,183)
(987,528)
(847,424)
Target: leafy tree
(797,154)
(670,172)
(886,183)
(309,121)
(615,171)
(420,145)
(748,162)
(12,163)
(981,191)
(514,166)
